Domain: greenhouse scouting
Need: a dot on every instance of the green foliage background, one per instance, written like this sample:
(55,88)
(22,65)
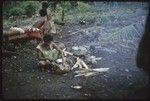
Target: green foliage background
(74,11)
(18,8)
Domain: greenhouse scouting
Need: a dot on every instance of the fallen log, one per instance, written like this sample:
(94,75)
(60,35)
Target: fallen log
(20,36)
(90,72)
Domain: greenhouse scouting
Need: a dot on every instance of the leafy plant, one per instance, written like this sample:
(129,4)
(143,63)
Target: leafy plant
(30,9)
(64,7)
(83,7)
(16,11)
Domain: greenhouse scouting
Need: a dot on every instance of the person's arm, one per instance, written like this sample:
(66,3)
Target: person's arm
(49,15)
(40,56)
(60,51)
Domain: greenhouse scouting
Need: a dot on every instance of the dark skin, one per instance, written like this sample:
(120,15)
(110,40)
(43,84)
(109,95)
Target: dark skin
(46,46)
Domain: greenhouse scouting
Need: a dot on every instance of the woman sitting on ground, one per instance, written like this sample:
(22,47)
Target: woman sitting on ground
(49,53)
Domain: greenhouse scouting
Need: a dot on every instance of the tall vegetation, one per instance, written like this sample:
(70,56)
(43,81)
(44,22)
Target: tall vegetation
(18,8)
(63,10)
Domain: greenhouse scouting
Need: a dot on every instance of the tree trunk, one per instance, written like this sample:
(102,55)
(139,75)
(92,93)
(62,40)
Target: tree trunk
(63,14)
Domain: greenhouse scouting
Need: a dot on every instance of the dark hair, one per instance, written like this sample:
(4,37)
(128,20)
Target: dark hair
(43,12)
(45,4)
(47,38)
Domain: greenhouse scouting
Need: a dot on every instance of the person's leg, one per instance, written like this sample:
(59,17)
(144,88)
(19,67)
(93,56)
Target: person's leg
(43,64)
(53,67)
(58,68)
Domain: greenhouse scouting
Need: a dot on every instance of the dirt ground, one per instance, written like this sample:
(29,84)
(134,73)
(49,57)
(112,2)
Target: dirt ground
(21,78)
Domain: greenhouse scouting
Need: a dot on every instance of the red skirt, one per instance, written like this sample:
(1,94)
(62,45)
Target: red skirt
(34,33)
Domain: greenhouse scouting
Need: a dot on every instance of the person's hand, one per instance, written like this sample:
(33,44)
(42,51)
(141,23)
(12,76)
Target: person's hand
(64,64)
(48,60)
